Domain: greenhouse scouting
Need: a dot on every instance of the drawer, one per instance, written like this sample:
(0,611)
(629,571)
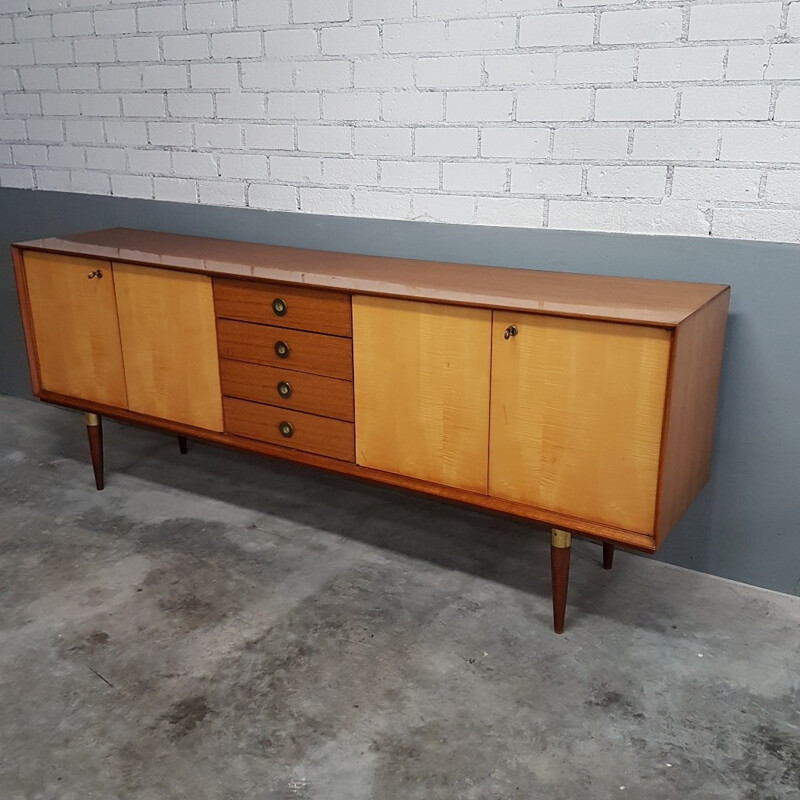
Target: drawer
(305,352)
(327,397)
(283,306)
(307,432)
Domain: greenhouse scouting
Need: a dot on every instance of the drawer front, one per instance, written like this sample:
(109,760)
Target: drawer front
(304,352)
(300,391)
(312,434)
(283,306)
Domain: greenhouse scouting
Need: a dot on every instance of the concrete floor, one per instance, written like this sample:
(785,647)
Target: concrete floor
(216,625)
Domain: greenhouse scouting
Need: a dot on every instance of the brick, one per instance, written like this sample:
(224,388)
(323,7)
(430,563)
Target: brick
(521,69)
(323,138)
(91,182)
(64,105)
(16,55)
(760,144)
(125,132)
(456,209)
(52,180)
(35,78)
(22,105)
(414,37)
(214,76)
(321,10)
(30,155)
(78,78)
(772,225)
(734,21)
(547,179)
(296,169)
(190,104)
(350,171)
(55,52)
(108,158)
(186,47)
(293,105)
(120,20)
(11,129)
(194,165)
(322,75)
(132,186)
(725,102)
(216,16)
(45,130)
(163,76)
(607,66)
(351,40)
(260,14)
(170,134)
(382,141)
(143,105)
(272,197)
(291,43)
(221,193)
(67,156)
(384,73)
(556,30)
(590,143)
(446,142)
(509,211)
(72,23)
(16,177)
(626,181)
(634,104)
(100,105)
(675,144)
(350,105)
(382,9)
(238,44)
(410,174)
(382,205)
(153,19)
(788,105)
(784,62)
(244,105)
(641,25)
(474,177)
(10,81)
(449,9)
(243,165)
(177,190)
(444,71)
(793,20)
(120,78)
(482,34)
(37,26)
(715,183)
(84,131)
(138,48)
(413,106)
(94,51)
(783,186)
(326,201)
(269,137)
(218,134)
(480,106)
(509,142)
(267,75)
(681,64)
(553,104)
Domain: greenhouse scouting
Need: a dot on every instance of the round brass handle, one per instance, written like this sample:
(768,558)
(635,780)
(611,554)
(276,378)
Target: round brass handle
(286,429)
(284,389)
(279,307)
(281,349)
(95,273)
(510,331)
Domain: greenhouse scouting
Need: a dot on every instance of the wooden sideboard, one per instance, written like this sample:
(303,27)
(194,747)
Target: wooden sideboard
(583,403)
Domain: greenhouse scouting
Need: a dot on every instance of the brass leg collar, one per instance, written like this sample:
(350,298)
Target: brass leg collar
(560,539)
(92,420)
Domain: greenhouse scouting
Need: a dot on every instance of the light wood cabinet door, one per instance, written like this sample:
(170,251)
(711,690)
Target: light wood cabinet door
(421,373)
(576,417)
(75,327)
(169,344)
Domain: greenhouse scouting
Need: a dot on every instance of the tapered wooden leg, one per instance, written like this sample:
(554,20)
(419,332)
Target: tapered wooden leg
(608,555)
(183,445)
(94,429)
(560,549)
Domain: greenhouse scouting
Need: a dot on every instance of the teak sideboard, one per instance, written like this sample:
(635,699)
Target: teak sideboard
(580,402)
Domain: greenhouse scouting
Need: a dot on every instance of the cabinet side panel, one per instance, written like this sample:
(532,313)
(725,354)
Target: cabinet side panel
(74,322)
(577,412)
(421,374)
(169,344)
(26,317)
(691,412)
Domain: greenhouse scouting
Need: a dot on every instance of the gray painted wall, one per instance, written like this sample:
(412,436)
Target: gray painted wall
(744,525)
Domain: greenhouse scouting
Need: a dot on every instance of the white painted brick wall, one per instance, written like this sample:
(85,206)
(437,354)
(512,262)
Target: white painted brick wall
(650,116)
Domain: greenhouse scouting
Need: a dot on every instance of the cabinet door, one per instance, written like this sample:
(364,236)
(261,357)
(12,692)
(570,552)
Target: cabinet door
(169,344)
(75,327)
(577,413)
(421,375)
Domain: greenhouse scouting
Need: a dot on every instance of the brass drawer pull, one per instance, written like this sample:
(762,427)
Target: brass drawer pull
(286,429)
(95,273)
(510,331)
(279,307)
(281,349)
(284,389)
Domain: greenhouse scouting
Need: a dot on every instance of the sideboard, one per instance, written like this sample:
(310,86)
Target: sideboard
(579,402)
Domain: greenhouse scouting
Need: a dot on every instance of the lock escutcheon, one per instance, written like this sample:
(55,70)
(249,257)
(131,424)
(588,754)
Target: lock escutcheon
(284,389)
(510,331)
(286,429)
(281,349)
(279,307)
(95,273)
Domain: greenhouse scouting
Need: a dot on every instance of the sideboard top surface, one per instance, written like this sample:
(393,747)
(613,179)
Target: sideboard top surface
(635,300)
